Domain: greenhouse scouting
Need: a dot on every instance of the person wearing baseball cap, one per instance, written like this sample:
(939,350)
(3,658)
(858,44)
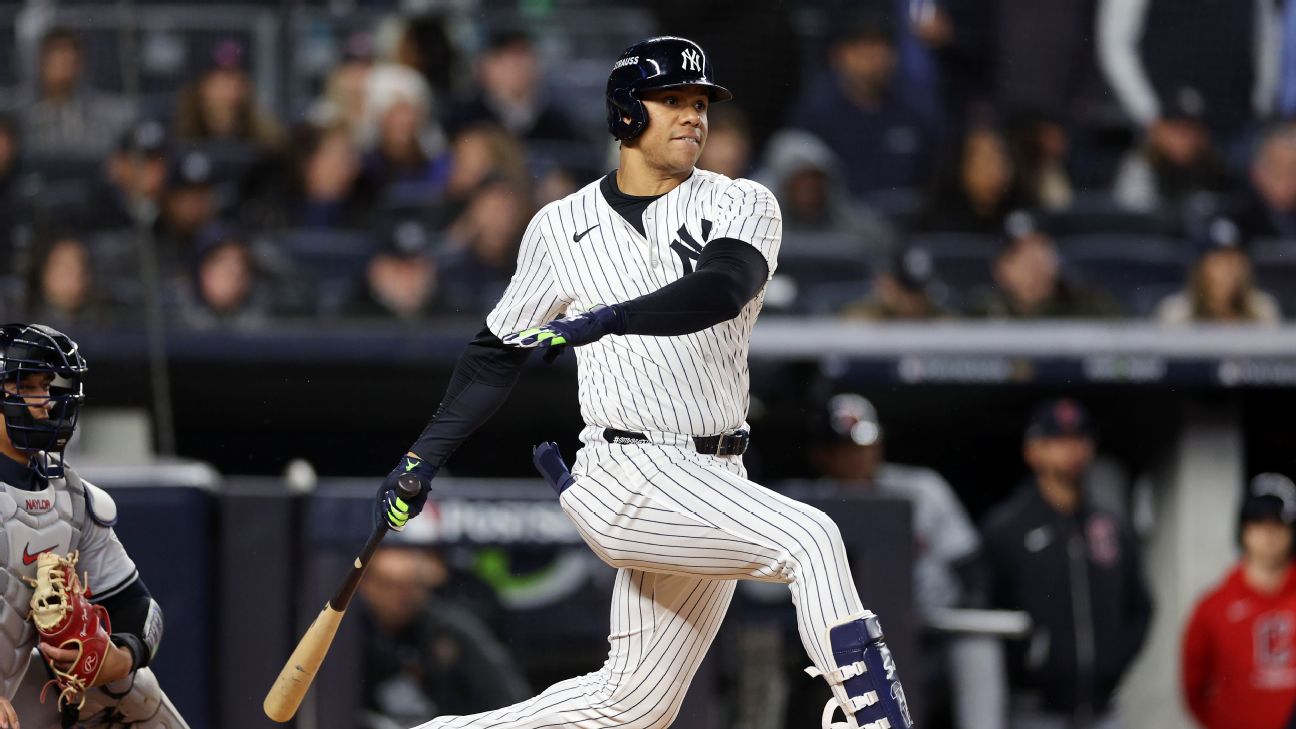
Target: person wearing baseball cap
(134,180)
(906,290)
(1074,567)
(848,453)
(1030,281)
(1239,666)
(1220,286)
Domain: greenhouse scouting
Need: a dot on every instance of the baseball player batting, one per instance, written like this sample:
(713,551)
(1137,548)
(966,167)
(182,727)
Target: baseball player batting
(654,275)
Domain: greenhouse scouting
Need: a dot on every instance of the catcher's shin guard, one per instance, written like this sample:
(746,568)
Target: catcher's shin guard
(136,701)
(865,683)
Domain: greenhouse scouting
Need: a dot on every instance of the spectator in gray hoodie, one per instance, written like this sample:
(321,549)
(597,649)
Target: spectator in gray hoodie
(806,178)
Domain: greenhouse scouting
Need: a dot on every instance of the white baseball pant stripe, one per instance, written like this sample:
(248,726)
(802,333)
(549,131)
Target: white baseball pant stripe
(680,527)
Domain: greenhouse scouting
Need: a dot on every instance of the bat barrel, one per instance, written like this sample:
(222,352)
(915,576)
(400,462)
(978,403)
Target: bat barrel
(295,679)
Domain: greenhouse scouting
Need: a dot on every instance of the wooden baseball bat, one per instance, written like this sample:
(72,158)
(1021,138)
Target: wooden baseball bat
(295,679)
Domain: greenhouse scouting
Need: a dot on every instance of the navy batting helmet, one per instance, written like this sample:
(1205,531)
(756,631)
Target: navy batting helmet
(664,62)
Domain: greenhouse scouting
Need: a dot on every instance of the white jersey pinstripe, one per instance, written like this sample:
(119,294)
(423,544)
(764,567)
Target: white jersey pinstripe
(679,525)
(578,252)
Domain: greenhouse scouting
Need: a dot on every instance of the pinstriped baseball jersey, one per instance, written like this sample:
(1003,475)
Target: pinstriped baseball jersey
(578,252)
(680,524)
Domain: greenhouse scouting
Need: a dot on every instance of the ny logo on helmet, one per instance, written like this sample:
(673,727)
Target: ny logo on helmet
(692,60)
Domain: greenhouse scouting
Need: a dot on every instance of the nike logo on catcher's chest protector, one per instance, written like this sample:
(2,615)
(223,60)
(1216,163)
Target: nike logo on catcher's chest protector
(26,543)
(29,557)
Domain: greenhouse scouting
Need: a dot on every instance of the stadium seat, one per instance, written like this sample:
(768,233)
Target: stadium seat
(823,257)
(1097,212)
(1125,264)
(572,156)
(409,198)
(1143,301)
(335,260)
(810,260)
(961,261)
(63,166)
(899,205)
(230,159)
(1274,262)
(827,299)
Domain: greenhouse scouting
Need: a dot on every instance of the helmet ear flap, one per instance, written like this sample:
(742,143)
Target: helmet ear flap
(623,103)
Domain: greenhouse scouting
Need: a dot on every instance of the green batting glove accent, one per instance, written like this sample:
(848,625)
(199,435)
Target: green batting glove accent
(411,464)
(557,340)
(398,514)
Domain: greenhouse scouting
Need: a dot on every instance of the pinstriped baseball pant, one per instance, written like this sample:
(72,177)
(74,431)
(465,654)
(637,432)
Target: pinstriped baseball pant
(680,527)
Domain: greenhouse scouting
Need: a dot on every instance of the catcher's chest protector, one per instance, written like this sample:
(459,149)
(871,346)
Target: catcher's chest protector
(32,522)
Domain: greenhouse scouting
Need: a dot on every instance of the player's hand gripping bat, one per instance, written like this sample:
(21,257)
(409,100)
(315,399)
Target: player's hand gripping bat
(286,694)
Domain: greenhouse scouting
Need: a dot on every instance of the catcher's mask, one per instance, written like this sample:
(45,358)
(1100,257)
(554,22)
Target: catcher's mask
(34,349)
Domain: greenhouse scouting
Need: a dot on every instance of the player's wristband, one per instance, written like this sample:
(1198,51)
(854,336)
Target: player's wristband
(133,644)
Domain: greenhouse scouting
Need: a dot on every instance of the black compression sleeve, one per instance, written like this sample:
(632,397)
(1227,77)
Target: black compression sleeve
(729,274)
(482,380)
(136,621)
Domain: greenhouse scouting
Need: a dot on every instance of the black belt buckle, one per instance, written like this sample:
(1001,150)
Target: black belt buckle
(733,444)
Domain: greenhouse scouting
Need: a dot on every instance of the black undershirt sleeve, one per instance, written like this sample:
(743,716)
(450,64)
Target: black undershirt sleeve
(483,378)
(129,612)
(729,274)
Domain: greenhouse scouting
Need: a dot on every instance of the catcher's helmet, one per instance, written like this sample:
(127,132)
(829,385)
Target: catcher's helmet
(27,349)
(663,62)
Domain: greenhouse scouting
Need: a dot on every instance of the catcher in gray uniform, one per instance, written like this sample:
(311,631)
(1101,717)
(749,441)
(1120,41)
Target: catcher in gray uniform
(66,658)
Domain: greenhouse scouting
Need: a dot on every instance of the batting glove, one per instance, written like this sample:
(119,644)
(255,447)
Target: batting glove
(391,508)
(574,331)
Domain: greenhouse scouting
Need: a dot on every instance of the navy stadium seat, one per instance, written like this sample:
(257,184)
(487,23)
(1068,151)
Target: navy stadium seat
(810,260)
(1125,265)
(1098,212)
(63,166)
(826,299)
(961,261)
(335,260)
(1274,263)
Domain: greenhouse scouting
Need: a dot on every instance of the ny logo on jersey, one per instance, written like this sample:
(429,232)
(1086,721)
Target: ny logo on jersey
(687,248)
(692,60)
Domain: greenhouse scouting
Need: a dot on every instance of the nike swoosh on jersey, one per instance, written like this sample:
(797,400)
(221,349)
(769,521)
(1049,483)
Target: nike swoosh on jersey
(29,558)
(577,238)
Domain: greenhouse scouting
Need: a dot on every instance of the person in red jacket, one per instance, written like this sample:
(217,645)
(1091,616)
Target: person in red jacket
(1239,650)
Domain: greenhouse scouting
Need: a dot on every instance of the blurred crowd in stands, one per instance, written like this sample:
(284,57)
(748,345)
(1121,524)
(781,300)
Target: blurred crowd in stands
(933,158)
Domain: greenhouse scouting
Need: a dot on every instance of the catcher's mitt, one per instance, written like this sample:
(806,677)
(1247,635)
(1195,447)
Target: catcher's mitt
(64,618)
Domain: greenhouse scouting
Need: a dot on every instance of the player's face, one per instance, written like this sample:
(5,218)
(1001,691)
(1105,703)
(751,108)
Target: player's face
(677,128)
(850,462)
(1064,457)
(1268,541)
(34,389)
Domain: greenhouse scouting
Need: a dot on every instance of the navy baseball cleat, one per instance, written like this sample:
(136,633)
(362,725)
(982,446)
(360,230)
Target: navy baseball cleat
(865,683)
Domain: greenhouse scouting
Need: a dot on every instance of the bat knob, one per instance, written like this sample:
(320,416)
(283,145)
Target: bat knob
(409,486)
